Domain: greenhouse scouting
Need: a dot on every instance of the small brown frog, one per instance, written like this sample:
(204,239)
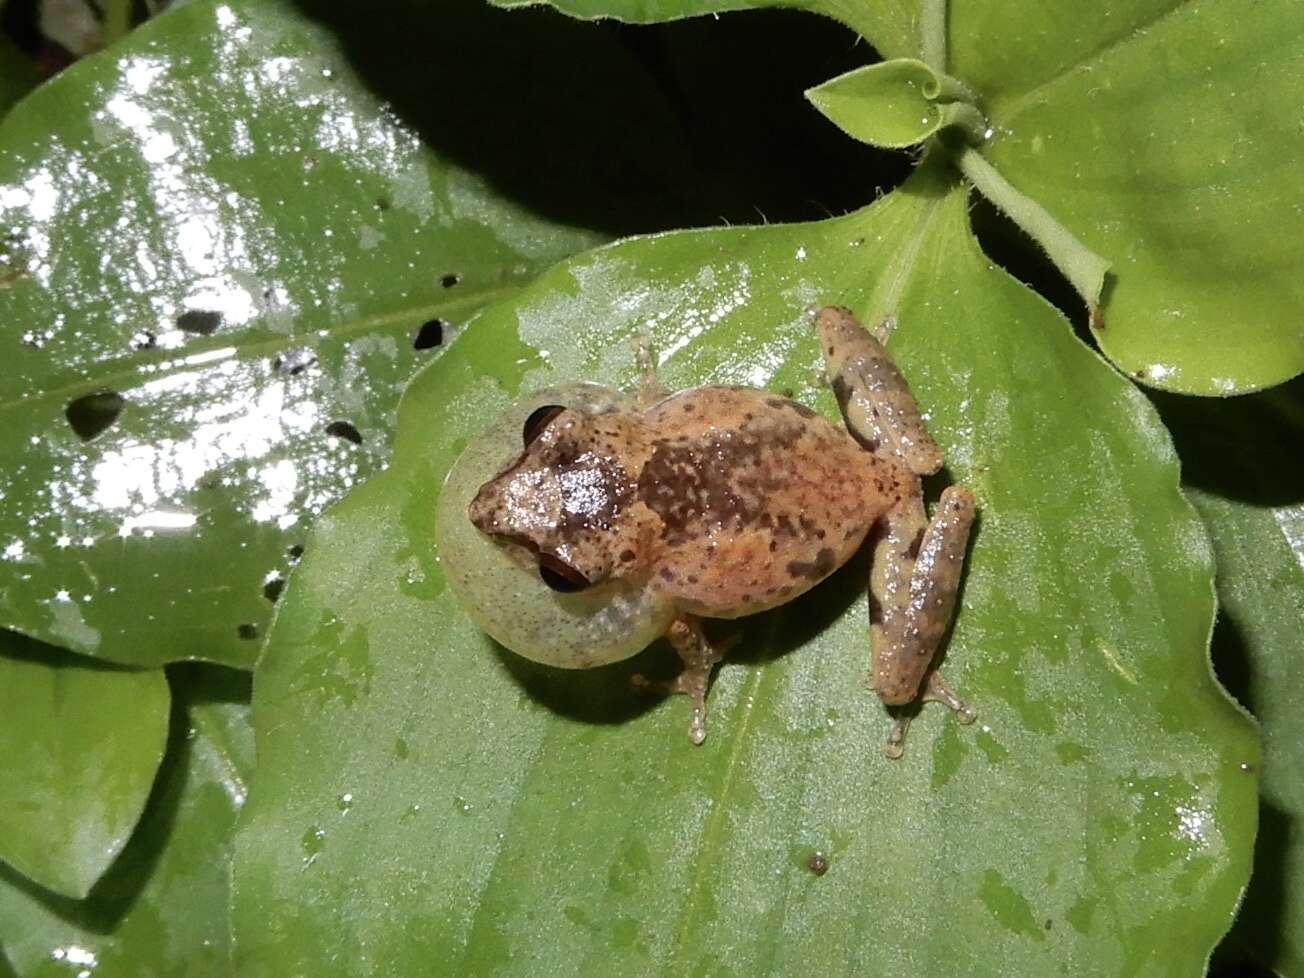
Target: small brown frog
(644,515)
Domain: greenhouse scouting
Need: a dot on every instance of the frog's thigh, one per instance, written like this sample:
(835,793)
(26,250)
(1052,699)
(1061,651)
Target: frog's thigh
(917,565)
(699,657)
(874,396)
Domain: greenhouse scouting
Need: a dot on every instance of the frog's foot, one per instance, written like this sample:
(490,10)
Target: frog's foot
(936,691)
(699,657)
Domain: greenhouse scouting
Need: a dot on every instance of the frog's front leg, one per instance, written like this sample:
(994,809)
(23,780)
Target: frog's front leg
(700,658)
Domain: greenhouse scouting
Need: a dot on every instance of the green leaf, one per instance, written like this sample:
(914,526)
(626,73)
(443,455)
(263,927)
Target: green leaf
(893,28)
(1157,135)
(161,910)
(81,743)
(211,235)
(1251,494)
(504,818)
(895,104)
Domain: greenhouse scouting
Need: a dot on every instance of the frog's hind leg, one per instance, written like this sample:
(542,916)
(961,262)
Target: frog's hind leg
(873,395)
(700,658)
(913,584)
(917,561)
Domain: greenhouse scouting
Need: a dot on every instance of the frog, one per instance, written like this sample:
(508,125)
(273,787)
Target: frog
(614,519)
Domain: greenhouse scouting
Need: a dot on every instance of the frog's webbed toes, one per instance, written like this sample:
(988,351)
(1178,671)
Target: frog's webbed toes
(938,692)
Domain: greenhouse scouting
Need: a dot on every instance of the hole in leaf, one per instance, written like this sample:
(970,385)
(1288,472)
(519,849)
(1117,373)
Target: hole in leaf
(202,322)
(93,414)
(449,280)
(294,552)
(247,631)
(538,421)
(430,334)
(383,204)
(272,588)
(144,340)
(559,575)
(294,362)
(345,430)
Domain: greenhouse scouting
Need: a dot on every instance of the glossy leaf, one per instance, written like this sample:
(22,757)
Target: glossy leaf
(1249,487)
(161,910)
(1156,134)
(894,104)
(81,743)
(213,233)
(504,818)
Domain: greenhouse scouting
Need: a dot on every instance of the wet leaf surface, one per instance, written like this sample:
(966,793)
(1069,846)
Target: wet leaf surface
(1249,487)
(1098,818)
(81,743)
(161,910)
(221,257)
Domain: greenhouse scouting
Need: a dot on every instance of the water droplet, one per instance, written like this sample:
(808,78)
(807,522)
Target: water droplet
(313,842)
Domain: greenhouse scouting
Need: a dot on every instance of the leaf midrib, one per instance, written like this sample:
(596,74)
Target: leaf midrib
(130,370)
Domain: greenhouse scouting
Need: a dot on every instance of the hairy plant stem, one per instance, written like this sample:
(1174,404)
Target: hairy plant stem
(1084,269)
(932,35)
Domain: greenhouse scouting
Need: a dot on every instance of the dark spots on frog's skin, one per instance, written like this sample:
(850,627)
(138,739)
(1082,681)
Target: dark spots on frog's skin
(774,545)
(747,599)
(913,551)
(627,556)
(713,479)
(822,565)
(667,574)
(782,404)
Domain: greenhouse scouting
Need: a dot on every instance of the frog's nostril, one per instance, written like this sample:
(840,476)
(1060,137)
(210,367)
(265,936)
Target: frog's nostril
(539,420)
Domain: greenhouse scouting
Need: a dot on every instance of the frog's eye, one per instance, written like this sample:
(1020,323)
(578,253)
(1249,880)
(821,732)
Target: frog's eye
(559,575)
(538,420)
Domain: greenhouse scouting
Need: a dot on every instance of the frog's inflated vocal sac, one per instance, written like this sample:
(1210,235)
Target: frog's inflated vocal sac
(644,515)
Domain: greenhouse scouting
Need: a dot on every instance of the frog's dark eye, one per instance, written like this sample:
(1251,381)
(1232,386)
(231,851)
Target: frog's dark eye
(559,575)
(538,420)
